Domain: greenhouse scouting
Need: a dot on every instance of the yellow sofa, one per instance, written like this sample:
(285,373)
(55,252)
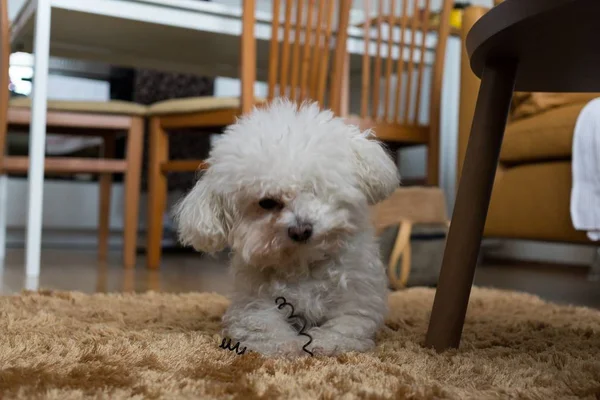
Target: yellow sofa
(531,194)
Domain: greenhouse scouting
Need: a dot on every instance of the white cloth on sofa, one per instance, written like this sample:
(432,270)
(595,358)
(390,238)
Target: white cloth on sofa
(585,193)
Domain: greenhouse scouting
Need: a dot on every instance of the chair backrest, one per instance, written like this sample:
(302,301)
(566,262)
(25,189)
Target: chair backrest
(300,52)
(4,77)
(407,23)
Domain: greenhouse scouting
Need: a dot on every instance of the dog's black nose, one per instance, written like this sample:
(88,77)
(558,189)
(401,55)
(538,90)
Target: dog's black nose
(300,233)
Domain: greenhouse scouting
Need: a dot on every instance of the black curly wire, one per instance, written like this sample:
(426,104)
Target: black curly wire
(226,345)
(298,318)
(281,303)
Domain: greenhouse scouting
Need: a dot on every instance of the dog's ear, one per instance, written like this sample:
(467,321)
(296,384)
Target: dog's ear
(202,218)
(377,174)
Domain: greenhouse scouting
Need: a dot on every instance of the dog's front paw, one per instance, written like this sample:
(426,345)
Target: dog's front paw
(286,349)
(291,349)
(324,351)
(328,343)
(324,343)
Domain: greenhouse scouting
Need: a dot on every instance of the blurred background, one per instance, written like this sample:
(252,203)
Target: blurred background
(92,59)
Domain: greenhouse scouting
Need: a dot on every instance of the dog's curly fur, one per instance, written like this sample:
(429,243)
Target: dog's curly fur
(315,171)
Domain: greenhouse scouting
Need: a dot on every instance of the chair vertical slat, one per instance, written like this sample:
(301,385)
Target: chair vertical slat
(425,29)
(248,56)
(345,92)
(411,61)
(366,62)
(377,76)
(400,62)
(340,56)
(317,52)
(274,50)
(306,51)
(296,50)
(325,60)
(388,61)
(285,51)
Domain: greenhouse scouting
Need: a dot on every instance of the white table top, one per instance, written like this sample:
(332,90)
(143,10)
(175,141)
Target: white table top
(178,35)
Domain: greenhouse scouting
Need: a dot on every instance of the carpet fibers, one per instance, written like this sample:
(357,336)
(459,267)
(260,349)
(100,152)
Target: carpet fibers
(149,346)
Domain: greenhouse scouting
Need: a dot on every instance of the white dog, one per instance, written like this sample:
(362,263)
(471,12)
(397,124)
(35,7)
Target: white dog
(288,189)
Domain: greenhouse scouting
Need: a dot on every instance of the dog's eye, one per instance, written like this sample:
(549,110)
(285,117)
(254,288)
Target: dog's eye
(270,204)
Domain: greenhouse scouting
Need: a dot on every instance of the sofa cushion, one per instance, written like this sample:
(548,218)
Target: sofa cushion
(529,104)
(520,206)
(545,136)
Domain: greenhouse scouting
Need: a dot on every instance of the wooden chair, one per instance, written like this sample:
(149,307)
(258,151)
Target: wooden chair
(104,119)
(407,207)
(298,69)
(395,112)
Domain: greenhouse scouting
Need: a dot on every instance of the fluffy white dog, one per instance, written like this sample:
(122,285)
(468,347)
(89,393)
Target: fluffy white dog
(289,189)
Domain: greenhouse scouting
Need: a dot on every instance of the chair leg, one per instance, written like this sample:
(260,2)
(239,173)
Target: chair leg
(472,202)
(37,138)
(104,203)
(3,222)
(433,156)
(157,191)
(135,145)
(594,274)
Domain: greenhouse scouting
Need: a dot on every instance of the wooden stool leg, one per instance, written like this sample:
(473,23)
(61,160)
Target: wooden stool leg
(470,211)
(105,193)
(157,191)
(135,145)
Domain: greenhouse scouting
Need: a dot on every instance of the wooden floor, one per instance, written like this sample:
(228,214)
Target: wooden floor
(79,271)
(559,284)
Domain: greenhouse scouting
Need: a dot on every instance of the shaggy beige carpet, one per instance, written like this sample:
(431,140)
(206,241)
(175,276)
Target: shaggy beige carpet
(150,346)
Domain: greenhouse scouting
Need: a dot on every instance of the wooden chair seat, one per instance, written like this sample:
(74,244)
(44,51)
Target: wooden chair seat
(392,132)
(66,165)
(196,104)
(113,107)
(424,205)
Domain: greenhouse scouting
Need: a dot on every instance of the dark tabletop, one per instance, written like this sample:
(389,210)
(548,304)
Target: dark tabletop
(555,42)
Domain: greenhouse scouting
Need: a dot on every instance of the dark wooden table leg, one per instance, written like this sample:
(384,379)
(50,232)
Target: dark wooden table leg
(472,202)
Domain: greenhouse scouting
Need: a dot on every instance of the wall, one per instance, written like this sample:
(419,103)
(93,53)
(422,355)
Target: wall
(13,7)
